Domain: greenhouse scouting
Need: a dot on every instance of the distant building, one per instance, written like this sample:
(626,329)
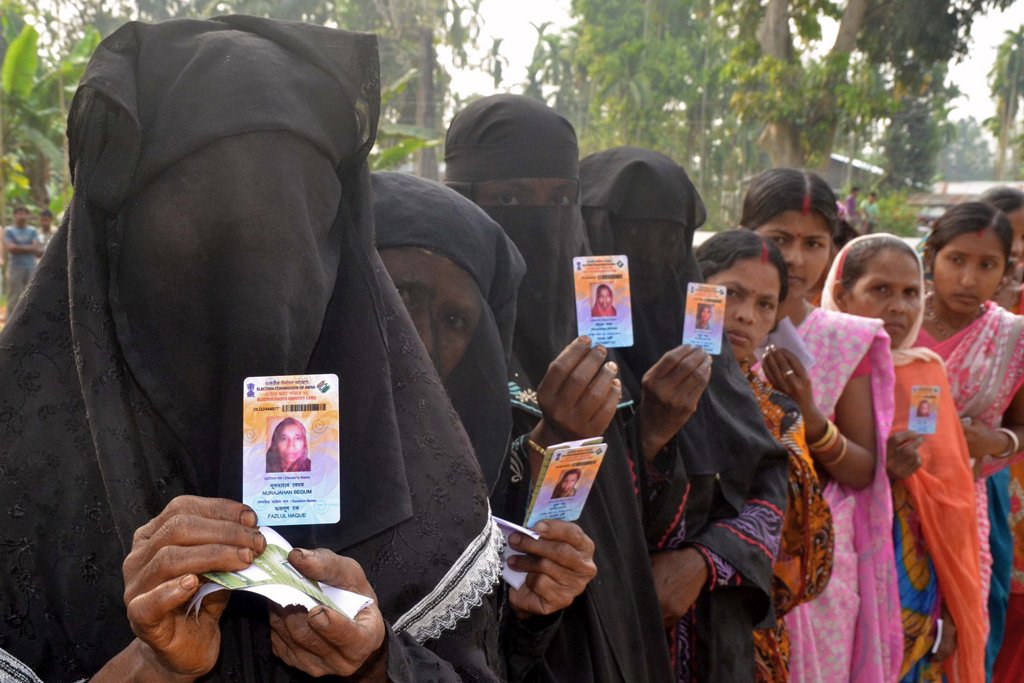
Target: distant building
(944,194)
(843,173)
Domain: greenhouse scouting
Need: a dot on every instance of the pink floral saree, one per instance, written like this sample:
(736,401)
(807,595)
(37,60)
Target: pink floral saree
(853,631)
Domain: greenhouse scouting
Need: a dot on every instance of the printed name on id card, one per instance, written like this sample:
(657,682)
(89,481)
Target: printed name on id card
(290,469)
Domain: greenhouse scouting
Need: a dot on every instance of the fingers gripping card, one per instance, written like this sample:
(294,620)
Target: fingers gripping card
(290,472)
(924,409)
(705,317)
(603,309)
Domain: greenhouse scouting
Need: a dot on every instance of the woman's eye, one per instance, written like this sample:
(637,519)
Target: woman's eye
(988,265)
(815,244)
(768,305)
(780,240)
(508,199)
(455,321)
(562,200)
(731,293)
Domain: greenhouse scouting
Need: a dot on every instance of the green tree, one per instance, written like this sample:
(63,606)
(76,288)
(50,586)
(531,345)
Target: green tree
(1006,83)
(967,154)
(800,92)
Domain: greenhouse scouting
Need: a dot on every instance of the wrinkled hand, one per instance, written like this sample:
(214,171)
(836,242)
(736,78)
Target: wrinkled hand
(578,395)
(190,536)
(902,456)
(323,642)
(671,390)
(559,566)
(679,577)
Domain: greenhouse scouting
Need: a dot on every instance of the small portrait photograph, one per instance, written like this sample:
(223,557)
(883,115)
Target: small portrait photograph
(288,450)
(603,301)
(566,486)
(924,408)
(705,313)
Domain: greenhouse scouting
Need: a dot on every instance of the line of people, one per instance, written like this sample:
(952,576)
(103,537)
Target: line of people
(764,514)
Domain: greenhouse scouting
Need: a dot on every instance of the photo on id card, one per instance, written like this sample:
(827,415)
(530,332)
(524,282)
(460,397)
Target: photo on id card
(603,309)
(924,409)
(705,317)
(290,450)
(566,483)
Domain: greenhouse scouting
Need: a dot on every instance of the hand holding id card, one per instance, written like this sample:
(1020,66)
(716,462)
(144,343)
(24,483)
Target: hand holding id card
(290,471)
(705,317)
(603,309)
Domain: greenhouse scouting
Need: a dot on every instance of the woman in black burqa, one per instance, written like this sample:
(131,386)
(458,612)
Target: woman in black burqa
(726,518)
(221,228)
(517,159)
(458,274)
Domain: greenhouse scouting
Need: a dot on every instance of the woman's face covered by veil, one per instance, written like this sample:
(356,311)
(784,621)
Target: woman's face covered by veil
(518,160)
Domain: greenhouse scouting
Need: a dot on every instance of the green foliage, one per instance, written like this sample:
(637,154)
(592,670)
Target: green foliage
(895,215)
(20,64)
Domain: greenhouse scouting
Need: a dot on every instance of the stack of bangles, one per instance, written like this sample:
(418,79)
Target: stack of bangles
(830,443)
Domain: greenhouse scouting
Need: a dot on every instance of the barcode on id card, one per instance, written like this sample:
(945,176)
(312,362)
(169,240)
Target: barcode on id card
(303,407)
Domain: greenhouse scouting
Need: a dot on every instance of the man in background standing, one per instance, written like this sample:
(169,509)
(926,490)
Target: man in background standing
(869,211)
(21,243)
(45,230)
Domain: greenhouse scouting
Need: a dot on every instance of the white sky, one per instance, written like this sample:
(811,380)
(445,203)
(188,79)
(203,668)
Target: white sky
(512,22)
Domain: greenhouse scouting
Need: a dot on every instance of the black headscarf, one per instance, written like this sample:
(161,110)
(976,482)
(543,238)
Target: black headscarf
(412,212)
(601,636)
(220,228)
(727,452)
(512,136)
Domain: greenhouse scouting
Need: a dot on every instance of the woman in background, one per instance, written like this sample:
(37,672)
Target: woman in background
(935,519)
(753,272)
(853,630)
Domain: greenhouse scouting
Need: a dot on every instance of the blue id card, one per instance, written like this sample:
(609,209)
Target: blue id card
(705,317)
(924,409)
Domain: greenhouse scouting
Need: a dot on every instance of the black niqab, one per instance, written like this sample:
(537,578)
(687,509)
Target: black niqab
(727,452)
(601,636)
(486,142)
(220,228)
(412,212)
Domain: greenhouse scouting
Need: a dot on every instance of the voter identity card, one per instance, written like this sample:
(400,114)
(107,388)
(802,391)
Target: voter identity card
(603,310)
(924,409)
(290,472)
(566,477)
(705,317)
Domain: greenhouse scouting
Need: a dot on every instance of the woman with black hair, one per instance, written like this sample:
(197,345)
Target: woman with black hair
(846,402)
(968,254)
(752,270)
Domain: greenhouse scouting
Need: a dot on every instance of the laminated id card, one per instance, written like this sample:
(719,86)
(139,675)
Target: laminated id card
(290,472)
(924,409)
(705,317)
(566,476)
(603,310)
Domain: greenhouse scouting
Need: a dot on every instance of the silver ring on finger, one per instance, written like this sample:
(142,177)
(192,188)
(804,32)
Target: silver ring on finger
(787,373)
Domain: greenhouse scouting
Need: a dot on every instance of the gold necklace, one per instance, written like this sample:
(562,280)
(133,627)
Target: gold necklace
(929,314)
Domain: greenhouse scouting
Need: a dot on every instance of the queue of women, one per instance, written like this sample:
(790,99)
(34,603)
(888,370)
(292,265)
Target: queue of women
(763,514)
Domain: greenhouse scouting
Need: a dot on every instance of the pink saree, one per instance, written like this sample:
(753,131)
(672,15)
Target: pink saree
(853,631)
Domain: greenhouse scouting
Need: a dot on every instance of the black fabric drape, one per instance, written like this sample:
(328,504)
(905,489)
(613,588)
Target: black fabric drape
(412,212)
(510,136)
(728,455)
(220,228)
(601,636)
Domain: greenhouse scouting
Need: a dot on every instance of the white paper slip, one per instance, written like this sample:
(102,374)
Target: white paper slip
(512,577)
(786,336)
(271,576)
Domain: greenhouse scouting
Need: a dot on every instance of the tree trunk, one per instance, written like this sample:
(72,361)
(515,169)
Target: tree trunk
(779,139)
(426,106)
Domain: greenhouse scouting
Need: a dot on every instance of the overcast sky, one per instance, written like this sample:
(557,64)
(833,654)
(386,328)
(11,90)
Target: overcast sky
(512,22)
